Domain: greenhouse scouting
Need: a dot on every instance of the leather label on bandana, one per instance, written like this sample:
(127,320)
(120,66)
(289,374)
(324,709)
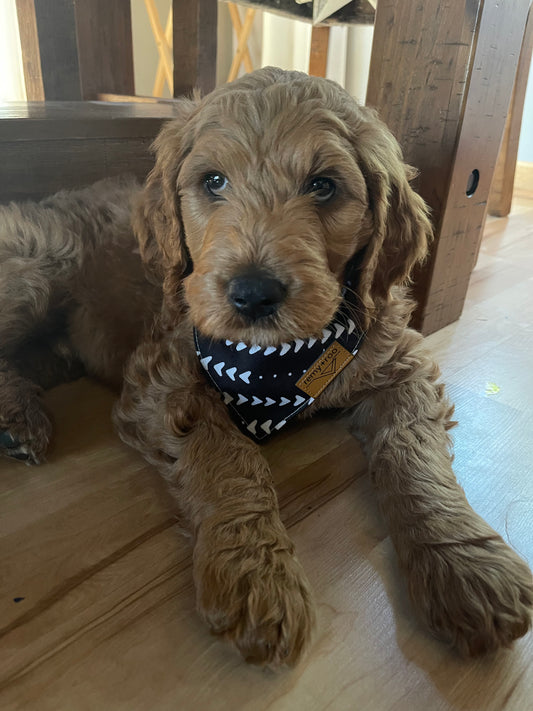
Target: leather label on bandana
(324,370)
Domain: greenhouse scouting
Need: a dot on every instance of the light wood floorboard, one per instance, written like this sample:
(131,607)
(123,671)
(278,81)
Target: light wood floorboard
(90,547)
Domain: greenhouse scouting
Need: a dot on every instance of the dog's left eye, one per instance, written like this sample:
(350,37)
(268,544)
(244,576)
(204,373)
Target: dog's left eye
(215,183)
(322,189)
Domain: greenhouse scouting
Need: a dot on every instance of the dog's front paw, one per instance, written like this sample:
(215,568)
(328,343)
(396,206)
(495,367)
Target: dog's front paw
(255,595)
(25,436)
(476,595)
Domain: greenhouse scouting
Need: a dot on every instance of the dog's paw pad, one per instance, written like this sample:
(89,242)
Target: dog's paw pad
(11,447)
(7,441)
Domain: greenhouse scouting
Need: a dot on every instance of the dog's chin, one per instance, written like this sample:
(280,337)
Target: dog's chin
(264,332)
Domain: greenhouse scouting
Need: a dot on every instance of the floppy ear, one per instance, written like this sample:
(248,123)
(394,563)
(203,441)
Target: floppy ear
(402,229)
(156,216)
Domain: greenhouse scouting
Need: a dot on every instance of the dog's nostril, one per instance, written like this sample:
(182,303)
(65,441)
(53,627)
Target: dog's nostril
(255,294)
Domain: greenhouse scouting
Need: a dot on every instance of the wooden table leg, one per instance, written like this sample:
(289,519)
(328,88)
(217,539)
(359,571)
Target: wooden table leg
(83,48)
(441,76)
(501,193)
(318,57)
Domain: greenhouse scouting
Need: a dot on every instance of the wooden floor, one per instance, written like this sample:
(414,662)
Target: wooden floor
(97,605)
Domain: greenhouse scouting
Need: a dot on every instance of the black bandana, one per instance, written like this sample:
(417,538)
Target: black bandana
(265,387)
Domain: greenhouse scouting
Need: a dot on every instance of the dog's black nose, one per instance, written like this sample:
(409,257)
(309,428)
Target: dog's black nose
(256,294)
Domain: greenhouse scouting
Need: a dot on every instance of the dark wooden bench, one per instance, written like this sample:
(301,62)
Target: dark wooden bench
(47,146)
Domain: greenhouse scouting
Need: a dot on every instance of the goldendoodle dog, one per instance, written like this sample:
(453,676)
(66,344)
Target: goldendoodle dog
(263,280)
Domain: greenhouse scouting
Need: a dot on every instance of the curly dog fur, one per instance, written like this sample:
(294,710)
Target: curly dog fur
(73,291)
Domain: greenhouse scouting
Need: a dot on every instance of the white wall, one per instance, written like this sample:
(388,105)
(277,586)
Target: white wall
(283,43)
(11,72)
(286,43)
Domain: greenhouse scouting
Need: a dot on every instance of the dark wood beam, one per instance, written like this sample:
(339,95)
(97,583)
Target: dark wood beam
(74,49)
(195,45)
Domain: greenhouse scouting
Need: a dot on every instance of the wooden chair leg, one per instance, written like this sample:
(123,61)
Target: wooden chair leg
(501,193)
(318,57)
(68,56)
(194,45)
(165,53)
(29,44)
(243,32)
(160,77)
(237,26)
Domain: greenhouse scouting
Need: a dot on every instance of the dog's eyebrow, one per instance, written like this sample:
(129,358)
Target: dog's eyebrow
(332,164)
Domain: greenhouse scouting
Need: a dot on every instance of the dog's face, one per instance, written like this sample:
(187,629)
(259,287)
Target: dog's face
(270,201)
(267,188)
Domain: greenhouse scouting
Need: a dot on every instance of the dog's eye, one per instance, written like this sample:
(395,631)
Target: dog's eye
(215,183)
(322,189)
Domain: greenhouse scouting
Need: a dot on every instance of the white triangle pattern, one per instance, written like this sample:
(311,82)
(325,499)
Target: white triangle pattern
(339,329)
(299,400)
(285,347)
(267,426)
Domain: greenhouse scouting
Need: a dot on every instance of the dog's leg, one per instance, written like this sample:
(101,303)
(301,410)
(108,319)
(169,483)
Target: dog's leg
(28,297)
(250,586)
(469,586)
(25,426)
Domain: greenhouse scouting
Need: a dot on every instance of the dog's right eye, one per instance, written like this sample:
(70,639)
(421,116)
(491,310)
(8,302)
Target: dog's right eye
(215,184)
(322,189)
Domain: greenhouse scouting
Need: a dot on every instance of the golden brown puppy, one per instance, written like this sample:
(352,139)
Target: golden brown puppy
(279,217)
